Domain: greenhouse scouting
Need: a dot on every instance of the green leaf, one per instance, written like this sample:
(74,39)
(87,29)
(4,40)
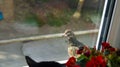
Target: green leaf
(109,63)
(82,59)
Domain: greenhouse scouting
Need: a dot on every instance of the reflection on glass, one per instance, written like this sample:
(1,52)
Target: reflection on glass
(26,18)
(31,17)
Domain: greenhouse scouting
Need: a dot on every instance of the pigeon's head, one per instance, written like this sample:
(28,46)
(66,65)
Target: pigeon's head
(69,34)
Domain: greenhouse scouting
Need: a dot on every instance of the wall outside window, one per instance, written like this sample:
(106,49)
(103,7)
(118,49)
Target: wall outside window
(114,34)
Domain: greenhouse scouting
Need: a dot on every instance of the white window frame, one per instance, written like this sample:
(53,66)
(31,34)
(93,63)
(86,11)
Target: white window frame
(106,22)
(114,32)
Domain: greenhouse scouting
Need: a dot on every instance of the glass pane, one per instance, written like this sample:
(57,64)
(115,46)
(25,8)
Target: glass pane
(35,28)
(24,18)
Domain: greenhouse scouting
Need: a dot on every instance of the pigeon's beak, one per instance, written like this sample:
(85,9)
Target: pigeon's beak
(63,35)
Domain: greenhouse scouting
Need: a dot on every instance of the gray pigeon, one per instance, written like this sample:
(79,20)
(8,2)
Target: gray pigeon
(73,43)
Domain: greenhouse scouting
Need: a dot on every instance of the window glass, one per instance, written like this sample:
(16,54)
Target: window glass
(23,18)
(35,28)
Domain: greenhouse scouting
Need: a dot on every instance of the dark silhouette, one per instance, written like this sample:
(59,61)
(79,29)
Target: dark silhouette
(32,63)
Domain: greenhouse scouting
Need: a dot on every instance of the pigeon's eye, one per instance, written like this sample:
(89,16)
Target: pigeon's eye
(69,34)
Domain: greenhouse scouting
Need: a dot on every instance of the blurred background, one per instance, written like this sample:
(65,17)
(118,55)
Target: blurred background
(29,27)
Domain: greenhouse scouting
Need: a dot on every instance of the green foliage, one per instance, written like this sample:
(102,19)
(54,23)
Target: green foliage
(82,60)
(113,60)
(56,21)
(33,19)
(53,20)
(27,12)
(59,19)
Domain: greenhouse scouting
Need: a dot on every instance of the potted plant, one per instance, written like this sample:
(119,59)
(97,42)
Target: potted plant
(108,56)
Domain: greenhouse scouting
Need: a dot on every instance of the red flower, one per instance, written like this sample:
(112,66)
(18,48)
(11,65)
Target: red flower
(76,66)
(101,61)
(105,45)
(87,53)
(71,62)
(79,51)
(98,61)
(112,49)
(91,63)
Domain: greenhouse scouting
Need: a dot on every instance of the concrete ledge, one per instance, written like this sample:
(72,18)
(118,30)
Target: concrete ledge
(47,36)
